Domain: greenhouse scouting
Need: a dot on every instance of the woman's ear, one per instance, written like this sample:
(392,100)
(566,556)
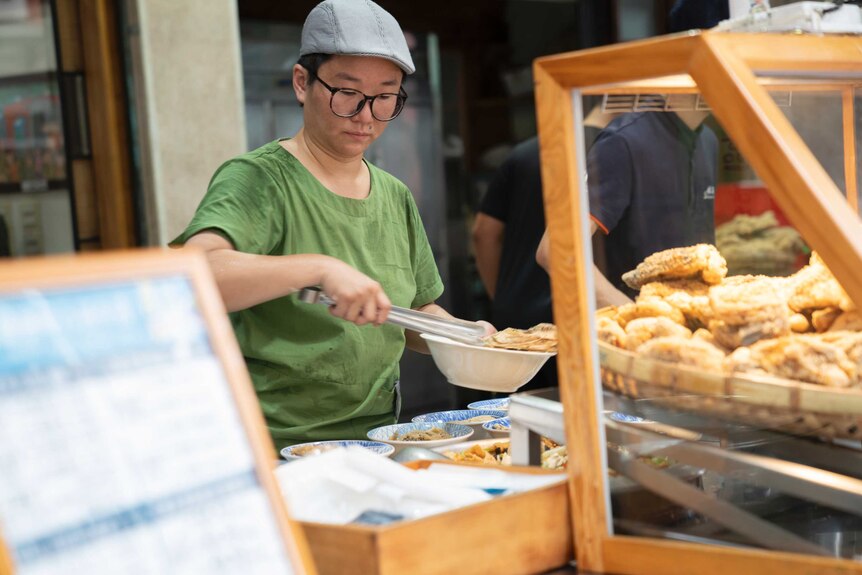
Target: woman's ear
(300,82)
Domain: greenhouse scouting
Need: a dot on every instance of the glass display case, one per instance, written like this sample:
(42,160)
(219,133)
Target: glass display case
(713,416)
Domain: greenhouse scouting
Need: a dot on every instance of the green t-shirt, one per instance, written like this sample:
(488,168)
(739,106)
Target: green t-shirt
(319,377)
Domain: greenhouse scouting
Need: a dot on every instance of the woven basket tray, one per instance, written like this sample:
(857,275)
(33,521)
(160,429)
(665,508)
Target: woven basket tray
(769,402)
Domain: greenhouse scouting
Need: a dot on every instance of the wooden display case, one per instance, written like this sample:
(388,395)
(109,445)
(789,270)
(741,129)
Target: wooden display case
(735,73)
(526,532)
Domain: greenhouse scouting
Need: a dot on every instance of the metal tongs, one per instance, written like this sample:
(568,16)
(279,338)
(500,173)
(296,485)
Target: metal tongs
(460,330)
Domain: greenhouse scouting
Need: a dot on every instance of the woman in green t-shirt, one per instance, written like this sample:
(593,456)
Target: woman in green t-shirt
(311,211)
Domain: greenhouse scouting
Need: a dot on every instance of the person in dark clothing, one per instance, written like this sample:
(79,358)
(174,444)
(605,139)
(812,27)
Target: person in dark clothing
(651,182)
(691,14)
(507,230)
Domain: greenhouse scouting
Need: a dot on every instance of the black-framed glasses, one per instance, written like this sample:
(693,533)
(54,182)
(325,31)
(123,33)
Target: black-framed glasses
(347,102)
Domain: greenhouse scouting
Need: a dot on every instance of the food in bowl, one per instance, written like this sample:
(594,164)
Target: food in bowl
(407,438)
(421,435)
(541,337)
(499,427)
(313,449)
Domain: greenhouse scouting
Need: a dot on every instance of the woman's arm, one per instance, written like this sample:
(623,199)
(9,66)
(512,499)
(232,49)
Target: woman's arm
(245,280)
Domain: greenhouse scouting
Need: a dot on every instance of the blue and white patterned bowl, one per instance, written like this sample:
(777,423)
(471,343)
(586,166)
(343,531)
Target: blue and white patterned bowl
(501,403)
(385,433)
(461,416)
(317,447)
(489,426)
(627,418)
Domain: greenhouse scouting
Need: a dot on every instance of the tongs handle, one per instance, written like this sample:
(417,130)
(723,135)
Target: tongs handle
(457,329)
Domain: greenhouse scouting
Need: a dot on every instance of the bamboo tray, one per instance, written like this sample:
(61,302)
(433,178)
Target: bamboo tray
(770,402)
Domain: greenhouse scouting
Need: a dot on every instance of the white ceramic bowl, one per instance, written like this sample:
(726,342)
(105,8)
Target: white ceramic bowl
(485,368)
(461,416)
(385,433)
(490,426)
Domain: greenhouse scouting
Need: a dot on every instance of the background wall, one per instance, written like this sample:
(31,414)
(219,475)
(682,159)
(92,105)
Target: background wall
(189,113)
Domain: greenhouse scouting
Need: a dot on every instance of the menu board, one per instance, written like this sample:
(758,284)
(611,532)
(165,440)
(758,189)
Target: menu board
(122,447)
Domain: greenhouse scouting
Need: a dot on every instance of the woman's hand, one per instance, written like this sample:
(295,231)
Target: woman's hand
(358,298)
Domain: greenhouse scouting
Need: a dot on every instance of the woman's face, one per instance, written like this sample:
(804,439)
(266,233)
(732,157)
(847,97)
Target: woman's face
(345,137)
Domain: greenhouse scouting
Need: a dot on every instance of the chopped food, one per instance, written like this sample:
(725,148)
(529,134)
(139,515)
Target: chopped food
(421,435)
(500,427)
(556,458)
(496,454)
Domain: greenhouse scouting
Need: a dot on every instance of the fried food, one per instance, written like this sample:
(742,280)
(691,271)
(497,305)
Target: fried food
(648,308)
(746,309)
(743,300)
(743,361)
(687,351)
(747,225)
(734,336)
(814,287)
(643,329)
(663,289)
(706,336)
(688,296)
(609,331)
(701,261)
(847,321)
(805,358)
(799,323)
(822,319)
(758,244)
(541,337)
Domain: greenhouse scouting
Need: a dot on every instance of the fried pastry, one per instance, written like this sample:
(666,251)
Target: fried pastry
(847,321)
(799,323)
(648,308)
(734,336)
(687,351)
(706,336)
(806,358)
(743,300)
(814,287)
(609,331)
(663,289)
(701,261)
(643,329)
(822,319)
(541,337)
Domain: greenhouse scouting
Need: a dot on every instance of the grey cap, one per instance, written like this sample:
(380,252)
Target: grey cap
(355,28)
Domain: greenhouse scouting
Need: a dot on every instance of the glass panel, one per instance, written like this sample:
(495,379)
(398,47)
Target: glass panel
(709,437)
(35,206)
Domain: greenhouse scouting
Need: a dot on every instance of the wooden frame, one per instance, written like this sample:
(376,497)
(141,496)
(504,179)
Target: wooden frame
(71,271)
(723,66)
